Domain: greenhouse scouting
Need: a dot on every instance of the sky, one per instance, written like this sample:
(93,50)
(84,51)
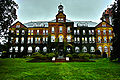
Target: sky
(75,10)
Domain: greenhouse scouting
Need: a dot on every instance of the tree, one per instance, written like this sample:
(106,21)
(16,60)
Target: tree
(116,29)
(7,16)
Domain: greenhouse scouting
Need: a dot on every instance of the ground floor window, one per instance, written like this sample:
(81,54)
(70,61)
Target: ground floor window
(29,49)
(22,48)
(105,49)
(84,49)
(100,48)
(11,49)
(92,49)
(16,49)
(77,49)
(44,49)
(37,49)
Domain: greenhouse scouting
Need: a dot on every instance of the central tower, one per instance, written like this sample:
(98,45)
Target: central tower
(60,17)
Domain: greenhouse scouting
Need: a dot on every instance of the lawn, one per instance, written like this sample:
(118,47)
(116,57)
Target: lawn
(19,69)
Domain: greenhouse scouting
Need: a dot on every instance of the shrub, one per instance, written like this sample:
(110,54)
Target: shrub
(69,55)
(85,56)
(50,55)
(75,55)
(80,55)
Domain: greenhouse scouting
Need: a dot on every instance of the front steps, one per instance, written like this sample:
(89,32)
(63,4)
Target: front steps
(60,59)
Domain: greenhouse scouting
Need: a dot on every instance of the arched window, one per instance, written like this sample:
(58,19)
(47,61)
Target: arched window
(92,49)
(44,49)
(77,49)
(111,48)
(68,49)
(37,49)
(84,49)
(29,49)
(105,49)
(53,49)
(100,48)
(22,48)
(60,38)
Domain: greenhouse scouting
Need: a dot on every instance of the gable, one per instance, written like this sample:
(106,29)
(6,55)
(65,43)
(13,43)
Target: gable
(18,25)
(103,24)
(60,15)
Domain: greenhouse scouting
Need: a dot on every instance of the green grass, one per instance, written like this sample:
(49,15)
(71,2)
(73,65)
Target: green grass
(19,69)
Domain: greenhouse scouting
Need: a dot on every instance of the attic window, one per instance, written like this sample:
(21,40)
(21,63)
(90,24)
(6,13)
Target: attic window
(17,26)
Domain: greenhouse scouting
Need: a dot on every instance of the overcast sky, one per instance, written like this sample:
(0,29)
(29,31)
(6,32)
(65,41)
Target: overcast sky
(76,10)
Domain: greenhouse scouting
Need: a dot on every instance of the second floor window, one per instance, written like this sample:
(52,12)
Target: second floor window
(37,32)
(89,32)
(23,32)
(92,32)
(99,40)
(105,40)
(16,40)
(28,40)
(31,32)
(31,39)
(17,32)
(90,40)
(68,29)
(69,38)
(83,32)
(110,32)
(53,29)
(104,32)
(22,40)
(43,32)
(46,32)
(98,32)
(78,32)
(28,32)
(85,39)
(60,29)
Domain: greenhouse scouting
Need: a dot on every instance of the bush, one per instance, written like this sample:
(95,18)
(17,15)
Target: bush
(75,55)
(85,56)
(69,55)
(50,55)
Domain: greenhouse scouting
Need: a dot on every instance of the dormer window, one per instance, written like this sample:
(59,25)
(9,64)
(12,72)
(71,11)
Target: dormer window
(17,32)
(60,20)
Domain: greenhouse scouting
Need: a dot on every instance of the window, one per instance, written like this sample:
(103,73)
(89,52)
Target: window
(11,49)
(69,38)
(99,39)
(82,39)
(92,49)
(12,31)
(16,40)
(46,39)
(104,32)
(105,49)
(52,29)
(17,32)
(28,32)
(21,49)
(85,39)
(31,32)
(17,26)
(78,39)
(23,32)
(90,32)
(39,40)
(100,48)
(52,38)
(68,29)
(43,39)
(110,32)
(22,40)
(83,32)
(36,40)
(28,40)
(60,38)
(74,39)
(16,49)
(46,32)
(60,29)
(74,32)
(37,32)
(90,40)
(110,38)
(103,24)
(44,49)
(53,49)
(111,48)
(68,49)
(93,39)
(84,49)
(11,40)
(43,32)
(31,39)
(60,20)
(105,39)
(78,32)
(37,49)
(98,32)
(77,49)
(29,49)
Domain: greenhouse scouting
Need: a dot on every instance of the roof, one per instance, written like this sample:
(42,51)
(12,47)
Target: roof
(45,23)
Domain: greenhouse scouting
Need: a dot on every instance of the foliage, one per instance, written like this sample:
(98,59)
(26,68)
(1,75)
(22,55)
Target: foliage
(50,55)
(7,13)
(116,29)
(4,52)
(69,55)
